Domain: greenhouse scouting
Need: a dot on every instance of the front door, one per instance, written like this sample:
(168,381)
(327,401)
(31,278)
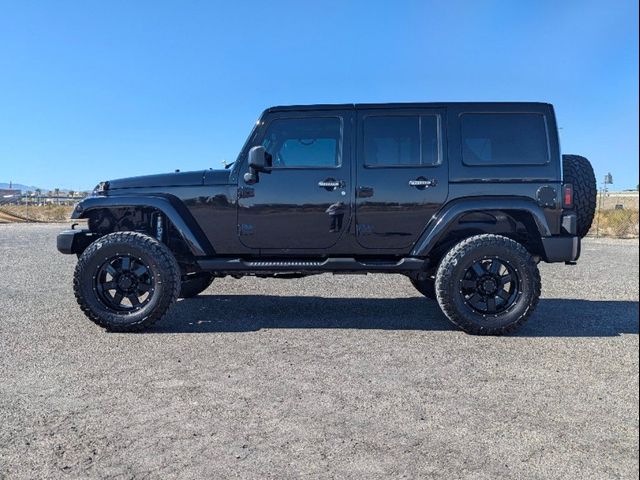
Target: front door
(401,174)
(304,202)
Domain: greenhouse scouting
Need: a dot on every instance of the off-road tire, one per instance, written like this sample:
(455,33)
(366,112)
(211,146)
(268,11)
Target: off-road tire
(457,262)
(426,287)
(578,171)
(161,265)
(195,284)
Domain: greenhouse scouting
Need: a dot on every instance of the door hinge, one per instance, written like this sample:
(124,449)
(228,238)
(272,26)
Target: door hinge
(365,192)
(364,229)
(245,229)
(246,192)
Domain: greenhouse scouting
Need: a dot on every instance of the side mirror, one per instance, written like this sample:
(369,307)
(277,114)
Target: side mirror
(259,161)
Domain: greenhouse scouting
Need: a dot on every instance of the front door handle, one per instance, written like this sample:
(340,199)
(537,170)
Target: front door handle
(421,183)
(330,184)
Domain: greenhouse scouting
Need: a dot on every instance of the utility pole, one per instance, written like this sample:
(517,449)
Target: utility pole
(608,180)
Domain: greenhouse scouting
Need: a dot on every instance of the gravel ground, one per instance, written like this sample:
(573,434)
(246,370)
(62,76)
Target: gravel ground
(329,376)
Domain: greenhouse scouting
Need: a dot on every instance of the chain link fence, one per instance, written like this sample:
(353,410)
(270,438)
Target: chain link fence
(21,208)
(616,215)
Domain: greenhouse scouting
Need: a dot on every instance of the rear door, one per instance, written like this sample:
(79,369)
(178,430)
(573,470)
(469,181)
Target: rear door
(401,174)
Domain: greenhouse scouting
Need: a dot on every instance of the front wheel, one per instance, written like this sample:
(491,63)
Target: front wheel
(125,281)
(488,285)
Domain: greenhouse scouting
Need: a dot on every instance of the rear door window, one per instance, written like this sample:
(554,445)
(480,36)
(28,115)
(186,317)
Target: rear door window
(504,139)
(401,140)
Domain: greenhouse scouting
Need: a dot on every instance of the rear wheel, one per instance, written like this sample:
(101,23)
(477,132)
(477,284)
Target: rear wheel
(488,285)
(125,281)
(578,171)
(195,284)
(426,287)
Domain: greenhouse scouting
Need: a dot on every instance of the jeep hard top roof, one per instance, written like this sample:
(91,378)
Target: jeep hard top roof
(356,106)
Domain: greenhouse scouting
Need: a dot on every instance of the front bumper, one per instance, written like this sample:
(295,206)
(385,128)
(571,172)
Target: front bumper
(74,241)
(561,248)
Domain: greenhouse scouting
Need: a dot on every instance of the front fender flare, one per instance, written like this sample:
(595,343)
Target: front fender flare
(438,225)
(170,206)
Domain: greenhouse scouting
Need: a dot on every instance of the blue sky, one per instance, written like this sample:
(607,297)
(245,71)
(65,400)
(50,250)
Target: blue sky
(91,90)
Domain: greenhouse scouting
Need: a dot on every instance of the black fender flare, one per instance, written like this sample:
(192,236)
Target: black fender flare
(170,206)
(453,210)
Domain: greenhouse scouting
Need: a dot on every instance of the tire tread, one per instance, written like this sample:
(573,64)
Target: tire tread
(465,248)
(163,256)
(578,171)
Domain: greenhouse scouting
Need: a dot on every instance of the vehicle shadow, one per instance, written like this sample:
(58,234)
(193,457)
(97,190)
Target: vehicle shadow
(248,313)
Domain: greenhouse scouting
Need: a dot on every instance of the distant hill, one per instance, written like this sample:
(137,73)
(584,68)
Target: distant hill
(27,188)
(19,186)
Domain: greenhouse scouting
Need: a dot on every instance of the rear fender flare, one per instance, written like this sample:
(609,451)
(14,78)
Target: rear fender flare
(452,211)
(170,206)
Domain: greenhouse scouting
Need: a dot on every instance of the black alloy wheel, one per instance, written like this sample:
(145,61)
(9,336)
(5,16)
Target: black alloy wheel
(124,283)
(490,286)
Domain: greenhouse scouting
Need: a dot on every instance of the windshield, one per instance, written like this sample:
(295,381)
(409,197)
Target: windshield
(250,139)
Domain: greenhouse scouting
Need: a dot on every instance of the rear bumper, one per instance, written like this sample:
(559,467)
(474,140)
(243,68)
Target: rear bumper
(561,248)
(74,241)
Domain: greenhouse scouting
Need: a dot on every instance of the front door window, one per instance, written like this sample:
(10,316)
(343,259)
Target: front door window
(304,143)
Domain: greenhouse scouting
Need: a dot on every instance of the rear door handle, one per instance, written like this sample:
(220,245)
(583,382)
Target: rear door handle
(421,183)
(330,184)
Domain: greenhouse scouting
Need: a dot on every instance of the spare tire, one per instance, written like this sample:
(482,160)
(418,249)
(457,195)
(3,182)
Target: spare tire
(578,171)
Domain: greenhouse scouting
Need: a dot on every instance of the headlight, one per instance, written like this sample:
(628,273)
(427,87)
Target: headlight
(100,189)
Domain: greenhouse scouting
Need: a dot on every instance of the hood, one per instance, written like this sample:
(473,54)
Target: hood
(175,179)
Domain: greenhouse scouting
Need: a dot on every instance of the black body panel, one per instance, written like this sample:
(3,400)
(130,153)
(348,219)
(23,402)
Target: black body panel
(171,206)
(390,211)
(373,211)
(289,209)
(453,210)
(175,179)
(74,241)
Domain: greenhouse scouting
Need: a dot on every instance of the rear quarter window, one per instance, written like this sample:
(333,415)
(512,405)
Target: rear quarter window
(490,139)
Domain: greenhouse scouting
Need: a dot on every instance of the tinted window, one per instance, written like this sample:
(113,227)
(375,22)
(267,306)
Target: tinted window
(401,140)
(504,139)
(429,136)
(304,142)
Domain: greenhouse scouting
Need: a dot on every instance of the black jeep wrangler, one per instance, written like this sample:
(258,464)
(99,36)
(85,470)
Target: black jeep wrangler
(463,198)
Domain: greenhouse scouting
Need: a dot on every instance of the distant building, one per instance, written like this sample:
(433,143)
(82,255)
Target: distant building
(10,195)
(613,200)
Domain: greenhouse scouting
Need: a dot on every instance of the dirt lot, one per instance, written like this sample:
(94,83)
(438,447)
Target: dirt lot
(330,376)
